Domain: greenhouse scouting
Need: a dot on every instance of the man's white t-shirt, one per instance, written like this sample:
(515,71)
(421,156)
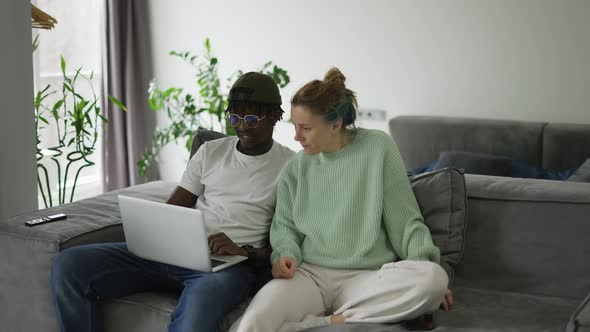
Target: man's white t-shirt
(237,192)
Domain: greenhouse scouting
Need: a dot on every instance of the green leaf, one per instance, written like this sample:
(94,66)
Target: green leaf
(63,65)
(46,88)
(80,106)
(154,105)
(43,119)
(93,106)
(77,73)
(38,100)
(68,87)
(213,61)
(265,66)
(56,106)
(118,103)
(188,144)
(36,43)
(208,44)
(171,91)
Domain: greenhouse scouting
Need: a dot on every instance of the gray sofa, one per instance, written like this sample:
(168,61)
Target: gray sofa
(524,263)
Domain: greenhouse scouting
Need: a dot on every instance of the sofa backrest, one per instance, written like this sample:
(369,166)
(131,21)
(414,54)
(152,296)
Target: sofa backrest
(565,146)
(201,136)
(420,139)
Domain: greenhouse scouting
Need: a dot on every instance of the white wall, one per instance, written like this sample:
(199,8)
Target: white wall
(523,60)
(17,134)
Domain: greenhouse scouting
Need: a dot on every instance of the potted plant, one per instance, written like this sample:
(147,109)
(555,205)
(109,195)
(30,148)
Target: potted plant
(76,120)
(188,112)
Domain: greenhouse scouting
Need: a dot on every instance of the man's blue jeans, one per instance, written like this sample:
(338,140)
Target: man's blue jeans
(82,276)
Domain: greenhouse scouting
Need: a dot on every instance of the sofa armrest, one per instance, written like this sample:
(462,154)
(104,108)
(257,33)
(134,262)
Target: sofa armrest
(28,252)
(523,235)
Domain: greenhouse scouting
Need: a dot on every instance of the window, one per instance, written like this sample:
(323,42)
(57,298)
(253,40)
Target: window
(78,37)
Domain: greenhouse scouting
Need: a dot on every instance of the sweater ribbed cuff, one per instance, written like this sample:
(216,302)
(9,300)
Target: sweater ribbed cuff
(276,254)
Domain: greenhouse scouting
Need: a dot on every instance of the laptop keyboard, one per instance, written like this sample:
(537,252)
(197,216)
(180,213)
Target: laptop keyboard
(216,262)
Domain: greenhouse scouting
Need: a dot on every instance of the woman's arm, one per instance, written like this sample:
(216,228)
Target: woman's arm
(285,238)
(403,220)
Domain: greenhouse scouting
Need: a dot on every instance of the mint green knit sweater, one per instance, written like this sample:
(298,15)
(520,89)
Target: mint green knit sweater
(353,208)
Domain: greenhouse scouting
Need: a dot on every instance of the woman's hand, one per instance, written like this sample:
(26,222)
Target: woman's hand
(221,244)
(447,301)
(284,267)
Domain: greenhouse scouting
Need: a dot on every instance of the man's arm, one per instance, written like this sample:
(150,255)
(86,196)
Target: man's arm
(262,257)
(182,197)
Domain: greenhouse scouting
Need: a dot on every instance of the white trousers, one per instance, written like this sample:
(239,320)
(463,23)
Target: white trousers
(398,291)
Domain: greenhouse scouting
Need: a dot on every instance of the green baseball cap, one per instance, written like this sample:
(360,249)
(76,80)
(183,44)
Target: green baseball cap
(255,87)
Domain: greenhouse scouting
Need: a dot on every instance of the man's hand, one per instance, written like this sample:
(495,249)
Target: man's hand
(220,244)
(284,267)
(447,301)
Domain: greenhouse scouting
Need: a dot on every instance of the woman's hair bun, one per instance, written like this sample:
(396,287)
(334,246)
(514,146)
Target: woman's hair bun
(335,76)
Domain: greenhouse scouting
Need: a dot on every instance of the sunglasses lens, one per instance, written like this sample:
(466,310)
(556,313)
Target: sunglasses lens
(234,120)
(251,121)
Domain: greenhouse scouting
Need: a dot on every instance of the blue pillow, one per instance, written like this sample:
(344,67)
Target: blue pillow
(427,168)
(474,163)
(527,170)
(486,164)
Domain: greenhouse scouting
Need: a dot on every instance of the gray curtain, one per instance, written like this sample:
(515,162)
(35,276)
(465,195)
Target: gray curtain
(127,68)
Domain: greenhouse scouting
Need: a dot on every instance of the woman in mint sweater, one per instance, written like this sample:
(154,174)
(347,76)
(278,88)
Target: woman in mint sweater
(349,242)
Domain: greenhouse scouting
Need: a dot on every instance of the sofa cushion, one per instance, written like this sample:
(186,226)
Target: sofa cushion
(582,174)
(580,320)
(474,163)
(442,200)
(479,310)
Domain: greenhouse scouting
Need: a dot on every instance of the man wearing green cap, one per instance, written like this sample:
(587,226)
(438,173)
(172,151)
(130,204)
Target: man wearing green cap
(232,181)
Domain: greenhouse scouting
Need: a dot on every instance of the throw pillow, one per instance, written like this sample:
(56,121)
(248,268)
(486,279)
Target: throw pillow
(582,174)
(427,168)
(527,170)
(442,198)
(474,163)
(203,135)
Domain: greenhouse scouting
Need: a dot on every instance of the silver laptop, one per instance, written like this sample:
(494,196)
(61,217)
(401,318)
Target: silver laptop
(170,234)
